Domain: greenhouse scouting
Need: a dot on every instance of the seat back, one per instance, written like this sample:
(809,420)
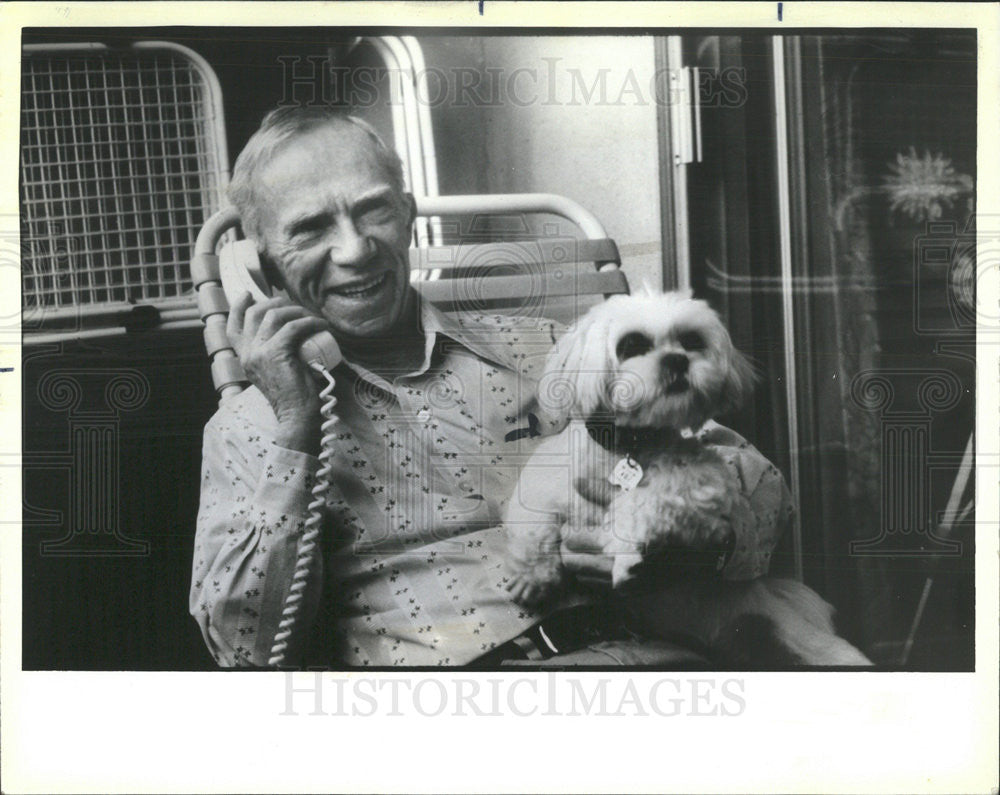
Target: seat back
(535,276)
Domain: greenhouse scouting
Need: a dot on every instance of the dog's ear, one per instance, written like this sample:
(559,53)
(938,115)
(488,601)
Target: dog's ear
(578,368)
(740,378)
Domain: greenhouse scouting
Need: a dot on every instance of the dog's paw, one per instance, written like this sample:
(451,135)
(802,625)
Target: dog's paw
(623,568)
(536,585)
(528,592)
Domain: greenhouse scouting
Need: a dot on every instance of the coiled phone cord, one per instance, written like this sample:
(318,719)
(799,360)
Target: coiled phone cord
(309,543)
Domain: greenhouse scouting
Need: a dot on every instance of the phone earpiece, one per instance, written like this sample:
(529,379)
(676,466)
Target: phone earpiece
(241,272)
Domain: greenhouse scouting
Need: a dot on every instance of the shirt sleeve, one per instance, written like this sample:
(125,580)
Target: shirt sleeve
(253,509)
(764,508)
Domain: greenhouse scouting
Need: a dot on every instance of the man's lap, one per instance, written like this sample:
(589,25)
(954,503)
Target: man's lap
(613,653)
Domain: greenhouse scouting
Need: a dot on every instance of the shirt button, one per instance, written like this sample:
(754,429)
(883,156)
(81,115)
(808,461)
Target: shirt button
(423,415)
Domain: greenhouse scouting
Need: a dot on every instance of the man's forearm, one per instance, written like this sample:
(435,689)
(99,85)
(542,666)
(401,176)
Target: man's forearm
(246,548)
(301,434)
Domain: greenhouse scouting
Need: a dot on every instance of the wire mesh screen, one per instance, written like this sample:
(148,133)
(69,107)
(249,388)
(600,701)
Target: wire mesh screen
(120,166)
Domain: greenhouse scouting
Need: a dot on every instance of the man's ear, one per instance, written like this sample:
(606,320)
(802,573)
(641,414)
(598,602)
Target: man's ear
(411,205)
(270,270)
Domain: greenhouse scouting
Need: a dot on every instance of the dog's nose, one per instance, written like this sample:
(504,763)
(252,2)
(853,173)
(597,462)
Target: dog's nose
(674,364)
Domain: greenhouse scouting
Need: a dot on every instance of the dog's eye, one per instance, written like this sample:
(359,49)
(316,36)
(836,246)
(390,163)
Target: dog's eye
(633,344)
(691,341)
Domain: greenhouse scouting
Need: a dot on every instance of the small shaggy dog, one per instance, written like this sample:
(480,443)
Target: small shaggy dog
(632,382)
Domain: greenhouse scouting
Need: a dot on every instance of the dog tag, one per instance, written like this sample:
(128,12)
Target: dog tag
(627,473)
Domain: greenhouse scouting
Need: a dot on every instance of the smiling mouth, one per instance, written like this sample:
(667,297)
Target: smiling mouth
(361,290)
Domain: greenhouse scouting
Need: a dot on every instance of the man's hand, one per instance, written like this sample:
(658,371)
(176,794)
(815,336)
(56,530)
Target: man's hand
(266,336)
(584,540)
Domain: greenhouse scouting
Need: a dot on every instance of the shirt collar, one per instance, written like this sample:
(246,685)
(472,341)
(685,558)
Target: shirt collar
(462,330)
(502,339)
(480,333)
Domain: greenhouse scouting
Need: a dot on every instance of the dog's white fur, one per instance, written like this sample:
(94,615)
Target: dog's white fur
(661,361)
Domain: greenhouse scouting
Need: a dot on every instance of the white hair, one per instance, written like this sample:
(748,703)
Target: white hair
(280,126)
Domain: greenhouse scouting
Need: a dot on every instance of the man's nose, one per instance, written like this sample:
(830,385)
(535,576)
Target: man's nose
(350,248)
(673,364)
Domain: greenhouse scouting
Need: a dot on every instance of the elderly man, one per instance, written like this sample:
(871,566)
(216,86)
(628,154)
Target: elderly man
(435,413)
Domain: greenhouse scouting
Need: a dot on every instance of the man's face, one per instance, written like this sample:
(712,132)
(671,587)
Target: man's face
(338,230)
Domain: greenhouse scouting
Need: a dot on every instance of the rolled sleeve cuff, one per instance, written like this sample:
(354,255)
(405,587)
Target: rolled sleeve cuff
(763,509)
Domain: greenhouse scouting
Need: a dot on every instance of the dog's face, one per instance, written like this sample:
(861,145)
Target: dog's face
(662,360)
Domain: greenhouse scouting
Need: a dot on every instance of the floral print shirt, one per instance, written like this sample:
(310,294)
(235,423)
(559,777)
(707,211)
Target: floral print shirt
(412,562)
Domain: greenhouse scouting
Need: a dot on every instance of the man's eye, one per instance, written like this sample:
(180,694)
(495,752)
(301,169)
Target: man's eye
(633,344)
(307,230)
(375,214)
(691,341)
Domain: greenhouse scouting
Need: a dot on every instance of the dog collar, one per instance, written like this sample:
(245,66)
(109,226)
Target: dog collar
(627,440)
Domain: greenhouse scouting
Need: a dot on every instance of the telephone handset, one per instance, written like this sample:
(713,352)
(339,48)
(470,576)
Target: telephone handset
(240,271)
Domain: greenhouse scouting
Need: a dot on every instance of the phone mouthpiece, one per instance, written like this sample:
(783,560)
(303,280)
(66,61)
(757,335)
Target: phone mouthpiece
(322,350)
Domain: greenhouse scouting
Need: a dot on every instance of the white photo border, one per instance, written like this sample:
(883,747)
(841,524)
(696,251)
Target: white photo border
(206,732)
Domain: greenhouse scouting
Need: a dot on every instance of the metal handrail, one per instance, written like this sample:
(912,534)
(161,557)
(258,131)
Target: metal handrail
(226,370)
(486,203)
(204,264)
(551,203)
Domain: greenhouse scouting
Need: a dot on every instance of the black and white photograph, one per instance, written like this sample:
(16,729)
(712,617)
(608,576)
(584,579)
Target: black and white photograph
(540,367)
